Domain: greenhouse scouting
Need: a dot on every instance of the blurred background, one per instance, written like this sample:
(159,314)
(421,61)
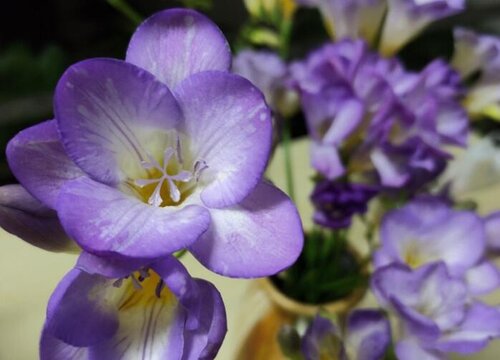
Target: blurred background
(40,39)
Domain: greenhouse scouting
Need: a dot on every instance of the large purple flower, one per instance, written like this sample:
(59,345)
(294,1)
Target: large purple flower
(373,120)
(161,152)
(157,312)
(435,312)
(367,337)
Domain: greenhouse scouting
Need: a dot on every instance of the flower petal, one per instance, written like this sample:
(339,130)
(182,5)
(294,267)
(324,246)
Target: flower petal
(409,349)
(481,324)
(113,115)
(106,221)
(174,44)
(206,316)
(51,348)
(483,278)
(78,312)
(24,216)
(368,334)
(37,159)
(259,237)
(492,228)
(326,159)
(229,126)
(185,320)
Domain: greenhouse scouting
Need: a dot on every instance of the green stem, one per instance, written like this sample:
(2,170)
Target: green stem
(126,10)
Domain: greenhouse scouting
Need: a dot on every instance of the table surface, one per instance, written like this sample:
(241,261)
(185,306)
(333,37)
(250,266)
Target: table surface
(29,275)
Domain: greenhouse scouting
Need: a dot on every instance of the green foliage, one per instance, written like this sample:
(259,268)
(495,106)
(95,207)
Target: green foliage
(327,270)
(23,73)
(204,5)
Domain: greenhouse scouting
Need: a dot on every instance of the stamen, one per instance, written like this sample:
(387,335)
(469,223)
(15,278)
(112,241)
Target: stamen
(159,288)
(179,152)
(183,176)
(118,283)
(199,166)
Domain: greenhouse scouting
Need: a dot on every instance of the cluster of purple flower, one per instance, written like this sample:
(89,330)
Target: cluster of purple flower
(162,152)
(375,123)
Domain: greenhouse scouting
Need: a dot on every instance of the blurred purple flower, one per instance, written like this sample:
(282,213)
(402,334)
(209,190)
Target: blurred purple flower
(156,312)
(267,71)
(351,19)
(479,53)
(427,230)
(405,19)
(367,337)
(372,119)
(398,20)
(435,312)
(475,52)
(335,202)
(163,152)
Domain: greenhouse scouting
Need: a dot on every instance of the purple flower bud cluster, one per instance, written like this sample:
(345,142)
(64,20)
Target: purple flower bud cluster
(335,202)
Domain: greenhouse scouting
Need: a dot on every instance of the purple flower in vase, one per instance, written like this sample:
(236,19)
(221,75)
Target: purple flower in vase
(352,18)
(366,337)
(374,121)
(100,310)
(335,202)
(435,312)
(162,152)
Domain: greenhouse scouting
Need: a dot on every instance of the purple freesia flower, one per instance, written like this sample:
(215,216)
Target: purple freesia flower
(435,312)
(161,152)
(157,312)
(335,203)
(366,337)
(371,119)
(427,230)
